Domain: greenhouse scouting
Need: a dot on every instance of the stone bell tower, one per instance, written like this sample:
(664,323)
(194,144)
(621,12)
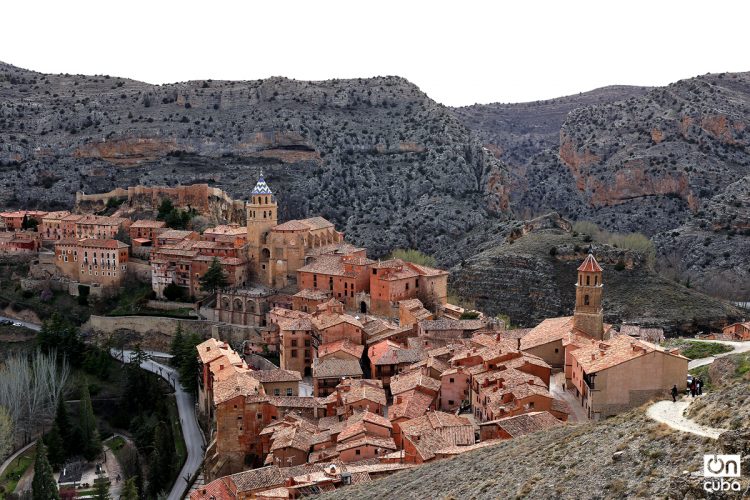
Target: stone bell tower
(261,218)
(588,317)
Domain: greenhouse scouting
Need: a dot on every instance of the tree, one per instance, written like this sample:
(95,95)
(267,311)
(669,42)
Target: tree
(101,490)
(129,490)
(6,433)
(123,235)
(176,348)
(214,278)
(62,422)
(30,388)
(90,442)
(29,223)
(43,486)
(189,365)
(414,256)
(55,447)
(165,208)
(174,292)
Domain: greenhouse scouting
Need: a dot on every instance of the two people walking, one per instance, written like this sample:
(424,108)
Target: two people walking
(695,388)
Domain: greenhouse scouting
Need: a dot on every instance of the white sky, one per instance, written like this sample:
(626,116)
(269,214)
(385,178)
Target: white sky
(458,52)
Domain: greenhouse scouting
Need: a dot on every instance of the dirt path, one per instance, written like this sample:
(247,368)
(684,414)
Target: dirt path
(673,415)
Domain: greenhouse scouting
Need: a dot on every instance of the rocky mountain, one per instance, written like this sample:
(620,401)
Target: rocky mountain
(391,167)
(516,132)
(672,162)
(528,272)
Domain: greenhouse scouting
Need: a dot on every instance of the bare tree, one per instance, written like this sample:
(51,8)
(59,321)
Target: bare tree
(30,388)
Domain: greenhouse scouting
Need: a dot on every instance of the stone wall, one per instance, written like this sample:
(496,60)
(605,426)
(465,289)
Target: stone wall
(156,332)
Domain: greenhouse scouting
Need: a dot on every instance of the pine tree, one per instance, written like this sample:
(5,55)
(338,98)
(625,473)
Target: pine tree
(177,344)
(90,441)
(214,278)
(43,486)
(62,422)
(55,447)
(101,491)
(189,365)
(129,490)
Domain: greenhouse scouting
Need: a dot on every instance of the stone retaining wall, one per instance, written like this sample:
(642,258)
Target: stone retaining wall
(155,332)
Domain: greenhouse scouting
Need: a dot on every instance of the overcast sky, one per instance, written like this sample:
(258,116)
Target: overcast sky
(458,52)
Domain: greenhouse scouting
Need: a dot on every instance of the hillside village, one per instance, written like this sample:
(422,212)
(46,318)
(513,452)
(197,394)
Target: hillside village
(377,371)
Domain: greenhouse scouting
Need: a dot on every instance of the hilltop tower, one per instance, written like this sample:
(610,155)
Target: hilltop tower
(262,213)
(589,316)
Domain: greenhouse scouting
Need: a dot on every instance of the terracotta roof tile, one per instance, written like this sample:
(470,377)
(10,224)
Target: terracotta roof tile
(331,367)
(526,423)
(590,265)
(414,379)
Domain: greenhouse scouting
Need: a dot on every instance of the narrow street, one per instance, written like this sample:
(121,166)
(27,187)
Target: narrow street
(557,389)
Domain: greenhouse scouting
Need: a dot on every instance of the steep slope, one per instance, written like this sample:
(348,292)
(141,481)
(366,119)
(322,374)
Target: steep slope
(516,132)
(379,158)
(625,456)
(528,273)
(674,158)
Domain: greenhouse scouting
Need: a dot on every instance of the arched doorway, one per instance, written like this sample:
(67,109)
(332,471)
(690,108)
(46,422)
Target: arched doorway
(363,307)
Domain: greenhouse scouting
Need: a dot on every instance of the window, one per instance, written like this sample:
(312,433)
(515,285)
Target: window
(588,280)
(294,353)
(294,342)
(259,416)
(596,280)
(557,350)
(277,392)
(585,300)
(451,380)
(356,452)
(407,286)
(450,402)
(288,391)
(374,271)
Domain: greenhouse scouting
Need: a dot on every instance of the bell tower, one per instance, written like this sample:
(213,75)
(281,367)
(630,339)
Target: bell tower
(588,317)
(261,218)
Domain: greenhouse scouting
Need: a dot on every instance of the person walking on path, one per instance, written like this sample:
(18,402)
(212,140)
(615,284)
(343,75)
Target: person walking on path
(674,393)
(692,388)
(699,387)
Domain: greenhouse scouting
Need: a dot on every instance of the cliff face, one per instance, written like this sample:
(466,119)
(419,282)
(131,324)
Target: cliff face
(659,161)
(528,273)
(376,156)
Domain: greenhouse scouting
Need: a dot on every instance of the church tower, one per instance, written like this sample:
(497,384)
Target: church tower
(261,218)
(588,317)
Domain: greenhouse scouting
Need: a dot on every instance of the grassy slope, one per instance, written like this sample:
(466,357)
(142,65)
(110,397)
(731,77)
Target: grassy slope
(727,403)
(574,461)
(696,350)
(14,472)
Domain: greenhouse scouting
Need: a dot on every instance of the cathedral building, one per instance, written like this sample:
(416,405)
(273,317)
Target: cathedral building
(279,250)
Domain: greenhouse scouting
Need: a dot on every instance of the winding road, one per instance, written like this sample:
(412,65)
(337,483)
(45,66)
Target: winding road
(186,407)
(673,414)
(191,432)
